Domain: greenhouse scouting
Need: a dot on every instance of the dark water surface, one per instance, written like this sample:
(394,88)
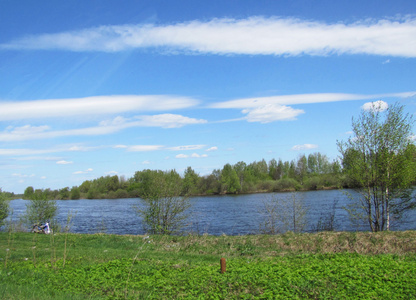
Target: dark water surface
(216,215)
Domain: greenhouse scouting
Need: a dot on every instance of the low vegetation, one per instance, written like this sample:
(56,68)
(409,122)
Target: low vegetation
(331,265)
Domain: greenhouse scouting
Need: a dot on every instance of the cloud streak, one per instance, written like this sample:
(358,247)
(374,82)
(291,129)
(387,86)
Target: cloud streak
(251,36)
(304,147)
(304,99)
(28,132)
(276,108)
(90,106)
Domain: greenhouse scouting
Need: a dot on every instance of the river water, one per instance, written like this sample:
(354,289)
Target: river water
(215,215)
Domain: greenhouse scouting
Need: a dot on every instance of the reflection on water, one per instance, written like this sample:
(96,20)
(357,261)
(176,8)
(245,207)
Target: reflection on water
(216,215)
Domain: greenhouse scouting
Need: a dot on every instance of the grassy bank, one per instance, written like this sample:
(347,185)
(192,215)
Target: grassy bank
(321,265)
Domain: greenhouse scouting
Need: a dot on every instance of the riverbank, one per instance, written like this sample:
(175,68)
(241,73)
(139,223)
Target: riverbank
(102,266)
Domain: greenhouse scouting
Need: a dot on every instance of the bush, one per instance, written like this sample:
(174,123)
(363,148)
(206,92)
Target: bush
(120,193)
(4,208)
(286,184)
(313,183)
(164,210)
(266,186)
(40,209)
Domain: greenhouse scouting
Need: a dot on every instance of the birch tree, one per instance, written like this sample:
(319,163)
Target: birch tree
(379,160)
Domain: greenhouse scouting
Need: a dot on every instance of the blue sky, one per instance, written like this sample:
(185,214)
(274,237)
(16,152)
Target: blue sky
(95,88)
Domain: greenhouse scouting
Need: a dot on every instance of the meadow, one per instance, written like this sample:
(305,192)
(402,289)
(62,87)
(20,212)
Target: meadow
(324,265)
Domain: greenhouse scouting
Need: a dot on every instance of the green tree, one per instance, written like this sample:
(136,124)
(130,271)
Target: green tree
(29,191)
(190,182)
(40,208)
(64,193)
(164,210)
(4,208)
(301,168)
(75,193)
(230,182)
(379,161)
(240,169)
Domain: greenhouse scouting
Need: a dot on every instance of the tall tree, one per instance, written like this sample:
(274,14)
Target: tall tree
(163,209)
(301,168)
(230,182)
(379,160)
(190,182)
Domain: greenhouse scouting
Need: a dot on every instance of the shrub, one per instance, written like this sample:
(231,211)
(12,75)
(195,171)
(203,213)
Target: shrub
(40,209)
(286,184)
(4,208)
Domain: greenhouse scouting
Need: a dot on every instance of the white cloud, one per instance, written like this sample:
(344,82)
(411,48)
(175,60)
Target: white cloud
(64,162)
(276,108)
(117,124)
(144,148)
(167,121)
(193,155)
(375,106)
(32,153)
(83,172)
(196,155)
(304,147)
(186,148)
(271,112)
(146,162)
(246,103)
(99,105)
(253,36)
(212,149)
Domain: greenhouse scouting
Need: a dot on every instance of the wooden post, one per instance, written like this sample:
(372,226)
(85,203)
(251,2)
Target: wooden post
(222,262)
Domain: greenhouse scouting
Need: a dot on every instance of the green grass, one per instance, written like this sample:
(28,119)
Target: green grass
(289,266)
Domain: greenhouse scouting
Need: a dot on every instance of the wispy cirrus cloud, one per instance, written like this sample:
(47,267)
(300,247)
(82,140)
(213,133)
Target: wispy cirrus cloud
(146,148)
(277,108)
(304,147)
(99,105)
(64,162)
(29,132)
(193,155)
(186,147)
(294,99)
(29,152)
(89,170)
(253,36)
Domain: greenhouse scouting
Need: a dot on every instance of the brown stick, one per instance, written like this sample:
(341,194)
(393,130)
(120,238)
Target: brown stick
(222,262)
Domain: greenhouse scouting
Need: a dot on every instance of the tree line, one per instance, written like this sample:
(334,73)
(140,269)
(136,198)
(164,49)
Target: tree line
(378,161)
(311,172)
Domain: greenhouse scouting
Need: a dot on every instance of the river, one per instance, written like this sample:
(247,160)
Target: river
(215,215)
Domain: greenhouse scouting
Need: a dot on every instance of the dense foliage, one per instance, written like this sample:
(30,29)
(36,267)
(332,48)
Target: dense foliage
(163,210)
(380,161)
(311,172)
(40,208)
(4,208)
